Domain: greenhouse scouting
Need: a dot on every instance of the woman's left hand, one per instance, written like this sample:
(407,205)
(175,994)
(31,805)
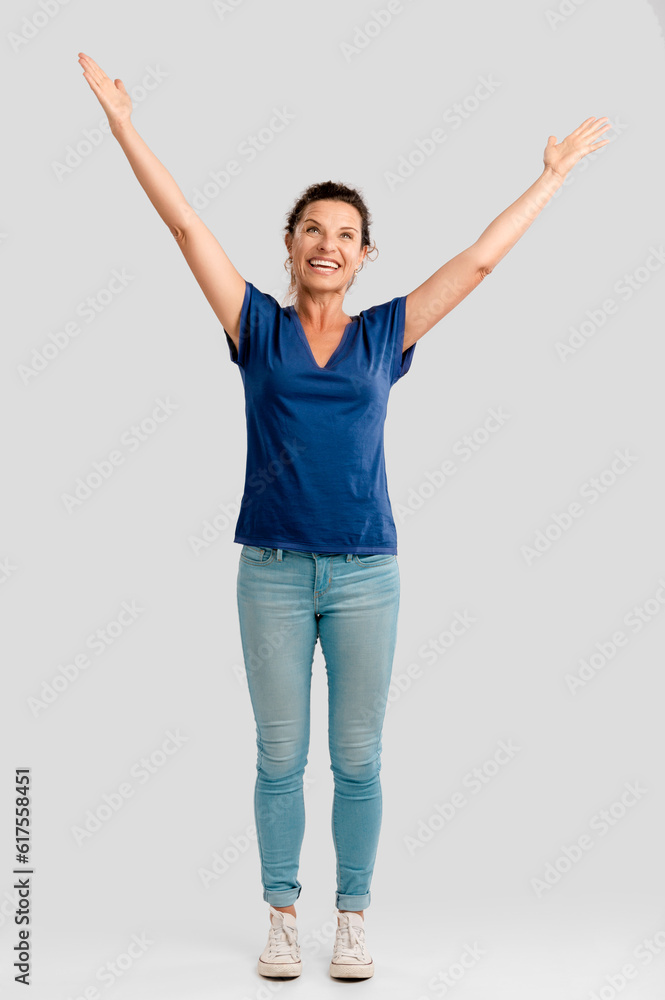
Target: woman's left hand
(560,157)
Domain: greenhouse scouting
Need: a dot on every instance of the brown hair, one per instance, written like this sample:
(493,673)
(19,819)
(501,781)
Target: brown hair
(330,191)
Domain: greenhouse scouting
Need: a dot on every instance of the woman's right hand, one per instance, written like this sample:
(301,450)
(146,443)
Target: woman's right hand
(111,94)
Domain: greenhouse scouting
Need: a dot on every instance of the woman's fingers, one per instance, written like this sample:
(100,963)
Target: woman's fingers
(589,125)
(580,128)
(91,63)
(595,125)
(114,99)
(94,82)
(593,135)
(90,73)
(582,140)
(95,72)
(591,130)
(96,76)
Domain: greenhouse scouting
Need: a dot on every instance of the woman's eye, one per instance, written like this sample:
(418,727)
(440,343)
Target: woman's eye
(310,228)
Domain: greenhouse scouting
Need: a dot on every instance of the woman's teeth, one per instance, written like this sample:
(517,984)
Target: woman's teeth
(323,266)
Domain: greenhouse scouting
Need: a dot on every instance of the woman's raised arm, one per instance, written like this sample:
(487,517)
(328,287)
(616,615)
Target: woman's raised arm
(443,290)
(220,282)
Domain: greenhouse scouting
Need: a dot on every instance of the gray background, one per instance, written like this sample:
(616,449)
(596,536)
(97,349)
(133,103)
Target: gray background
(179,665)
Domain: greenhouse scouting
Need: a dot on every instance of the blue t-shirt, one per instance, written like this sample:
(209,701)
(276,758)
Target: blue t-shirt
(315,478)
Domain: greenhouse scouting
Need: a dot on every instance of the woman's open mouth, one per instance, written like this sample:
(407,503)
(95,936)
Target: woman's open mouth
(322,266)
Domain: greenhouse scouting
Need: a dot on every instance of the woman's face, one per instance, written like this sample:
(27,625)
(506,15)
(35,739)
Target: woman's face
(330,232)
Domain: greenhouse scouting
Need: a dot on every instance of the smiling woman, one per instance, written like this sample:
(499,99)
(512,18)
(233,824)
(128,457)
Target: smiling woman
(330,213)
(319,545)
(321,379)
(326,234)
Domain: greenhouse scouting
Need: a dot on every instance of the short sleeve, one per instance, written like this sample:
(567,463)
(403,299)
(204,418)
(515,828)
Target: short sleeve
(401,359)
(238,355)
(385,324)
(259,312)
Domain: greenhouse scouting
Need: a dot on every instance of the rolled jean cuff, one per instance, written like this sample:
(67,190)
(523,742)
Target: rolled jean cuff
(281,897)
(352,902)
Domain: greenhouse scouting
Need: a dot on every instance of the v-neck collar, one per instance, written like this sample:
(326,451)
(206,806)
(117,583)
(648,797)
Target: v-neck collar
(303,337)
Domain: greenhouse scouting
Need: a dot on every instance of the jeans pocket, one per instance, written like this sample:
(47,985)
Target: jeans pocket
(256,556)
(375,559)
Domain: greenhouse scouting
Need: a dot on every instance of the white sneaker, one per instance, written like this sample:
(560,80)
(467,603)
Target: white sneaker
(351,960)
(281,955)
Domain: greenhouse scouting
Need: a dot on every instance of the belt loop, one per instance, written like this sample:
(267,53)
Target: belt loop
(349,556)
(279,554)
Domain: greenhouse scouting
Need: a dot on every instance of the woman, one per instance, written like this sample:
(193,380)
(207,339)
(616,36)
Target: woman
(319,554)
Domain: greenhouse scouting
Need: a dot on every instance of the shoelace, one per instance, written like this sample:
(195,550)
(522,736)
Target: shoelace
(350,941)
(278,945)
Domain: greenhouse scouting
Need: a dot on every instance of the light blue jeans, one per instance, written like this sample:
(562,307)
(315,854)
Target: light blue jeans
(287,600)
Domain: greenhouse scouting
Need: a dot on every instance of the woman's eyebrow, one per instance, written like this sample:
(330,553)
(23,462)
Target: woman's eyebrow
(341,227)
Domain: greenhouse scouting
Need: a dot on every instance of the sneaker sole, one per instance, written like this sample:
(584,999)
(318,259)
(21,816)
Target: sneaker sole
(340,971)
(280,969)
